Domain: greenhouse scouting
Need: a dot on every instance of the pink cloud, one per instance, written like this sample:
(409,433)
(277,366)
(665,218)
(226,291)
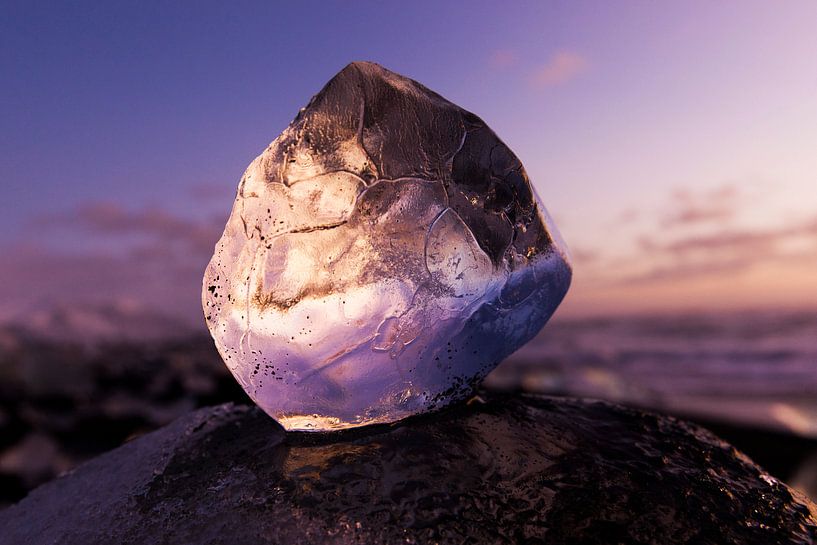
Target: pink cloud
(212,193)
(627,216)
(720,252)
(110,219)
(718,205)
(584,255)
(35,277)
(698,235)
(109,253)
(562,67)
(686,270)
(503,58)
(752,241)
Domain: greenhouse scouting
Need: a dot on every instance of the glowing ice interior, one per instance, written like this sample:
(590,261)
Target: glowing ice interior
(383,254)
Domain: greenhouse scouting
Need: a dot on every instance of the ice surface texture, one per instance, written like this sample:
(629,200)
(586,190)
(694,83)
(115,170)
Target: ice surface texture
(383,254)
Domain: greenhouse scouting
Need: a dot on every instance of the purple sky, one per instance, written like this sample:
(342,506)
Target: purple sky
(674,144)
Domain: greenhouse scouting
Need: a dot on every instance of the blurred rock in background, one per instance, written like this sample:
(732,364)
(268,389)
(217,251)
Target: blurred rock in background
(63,401)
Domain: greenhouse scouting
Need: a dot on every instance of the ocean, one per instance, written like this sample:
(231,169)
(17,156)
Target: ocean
(753,369)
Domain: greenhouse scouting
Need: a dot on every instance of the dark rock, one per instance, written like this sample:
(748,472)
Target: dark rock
(68,403)
(500,470)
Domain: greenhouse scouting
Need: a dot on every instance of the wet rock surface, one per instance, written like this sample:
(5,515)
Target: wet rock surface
(502,469)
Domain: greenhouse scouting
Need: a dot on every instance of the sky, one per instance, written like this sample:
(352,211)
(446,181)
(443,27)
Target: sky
(674,144)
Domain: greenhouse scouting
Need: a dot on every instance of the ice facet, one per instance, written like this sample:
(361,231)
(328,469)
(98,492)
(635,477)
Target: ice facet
(383,254)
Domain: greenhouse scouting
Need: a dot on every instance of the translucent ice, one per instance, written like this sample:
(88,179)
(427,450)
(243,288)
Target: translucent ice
(383,254)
